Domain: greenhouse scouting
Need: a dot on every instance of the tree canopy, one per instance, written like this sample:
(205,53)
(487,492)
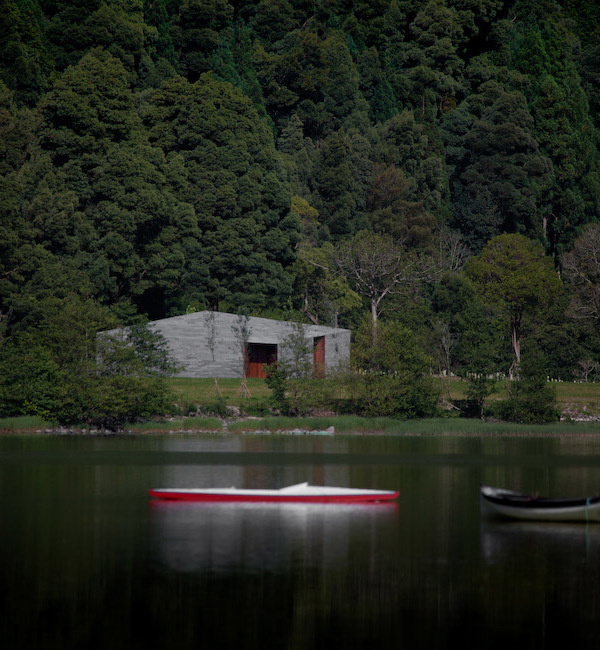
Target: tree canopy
(159,157)
(515,275)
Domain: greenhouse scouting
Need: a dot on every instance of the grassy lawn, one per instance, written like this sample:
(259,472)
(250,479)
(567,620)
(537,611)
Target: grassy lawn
(573,398)
(578,396)
(203,391)
(581,394)
(206,424)
(428,427)
(22,423)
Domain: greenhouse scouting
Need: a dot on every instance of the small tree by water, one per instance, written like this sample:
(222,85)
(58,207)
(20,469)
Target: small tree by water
(391,374)
(291,379)
(531,399)
(65,372)
(211,341)
(241,331)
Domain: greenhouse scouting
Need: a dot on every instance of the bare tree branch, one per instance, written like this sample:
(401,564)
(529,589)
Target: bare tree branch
(377,266)
(581,268)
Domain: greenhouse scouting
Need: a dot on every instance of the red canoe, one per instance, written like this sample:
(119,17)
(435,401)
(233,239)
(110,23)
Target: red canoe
(300,493)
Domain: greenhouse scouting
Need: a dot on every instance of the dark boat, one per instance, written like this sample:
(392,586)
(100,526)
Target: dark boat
(534,508)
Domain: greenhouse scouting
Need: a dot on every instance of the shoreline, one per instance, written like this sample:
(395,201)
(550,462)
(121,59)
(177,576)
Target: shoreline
(317,426)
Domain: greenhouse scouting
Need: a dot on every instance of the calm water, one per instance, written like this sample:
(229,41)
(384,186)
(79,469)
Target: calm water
(87,560)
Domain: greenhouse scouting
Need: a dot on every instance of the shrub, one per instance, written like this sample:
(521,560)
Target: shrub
(390,374)
(531,400)
(61,371)
(217,407)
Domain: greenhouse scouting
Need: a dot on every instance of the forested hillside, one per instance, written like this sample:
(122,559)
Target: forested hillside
(334,159)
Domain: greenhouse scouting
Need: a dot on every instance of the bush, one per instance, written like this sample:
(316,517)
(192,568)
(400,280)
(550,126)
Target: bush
(277,381)
(391,374)
(256,407)
(384,395)
(61,371)
(217,408)
(531,400)
(469,408)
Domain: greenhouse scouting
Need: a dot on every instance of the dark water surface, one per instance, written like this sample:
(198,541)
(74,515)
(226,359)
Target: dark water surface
(87,560)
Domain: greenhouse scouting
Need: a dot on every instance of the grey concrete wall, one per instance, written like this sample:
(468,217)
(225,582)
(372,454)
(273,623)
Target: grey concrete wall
(188,338)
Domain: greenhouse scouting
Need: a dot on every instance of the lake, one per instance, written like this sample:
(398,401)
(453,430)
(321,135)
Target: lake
(88,560)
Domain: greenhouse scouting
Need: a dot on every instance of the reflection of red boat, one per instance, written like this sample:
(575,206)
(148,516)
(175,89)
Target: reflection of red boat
(300,493)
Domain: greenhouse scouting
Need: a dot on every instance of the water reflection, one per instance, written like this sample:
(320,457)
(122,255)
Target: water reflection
(86,562)
(503,540)
(255,537)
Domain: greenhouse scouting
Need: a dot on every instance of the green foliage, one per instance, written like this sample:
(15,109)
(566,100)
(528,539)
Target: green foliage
(407,144)
(296,131)
(530,399)
(390,374)
(513,274)
(64,372)
(25,62)
(542,48)
(325,296)
(342,176)
(582,270)
(499,171)
(291,380)
(75,27)
(218,407)
(277,381)
(314,76)
(479,387)
(473,323)
(197,33)
(235,185)
(434,67)
(30,379)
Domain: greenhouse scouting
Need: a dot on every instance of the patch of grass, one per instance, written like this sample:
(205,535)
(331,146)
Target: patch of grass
(430,427)
(195,390)
(282,423)
(23,423)
(577,391)
(573,398)
(460,426)
(569,395)
(185,424)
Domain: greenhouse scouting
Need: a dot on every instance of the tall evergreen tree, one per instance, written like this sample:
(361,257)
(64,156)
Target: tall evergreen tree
(544,50)
(235,184)
(408,145)
(343,173)
(200,28)
(499,179)
(25,62)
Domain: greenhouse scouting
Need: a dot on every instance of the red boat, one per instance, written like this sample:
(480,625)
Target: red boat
(300,493)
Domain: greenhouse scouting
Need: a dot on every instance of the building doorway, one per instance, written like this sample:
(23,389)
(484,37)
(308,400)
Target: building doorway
(258,357)
(319,356)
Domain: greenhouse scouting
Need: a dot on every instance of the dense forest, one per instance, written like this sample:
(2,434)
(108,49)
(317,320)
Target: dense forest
(431,166)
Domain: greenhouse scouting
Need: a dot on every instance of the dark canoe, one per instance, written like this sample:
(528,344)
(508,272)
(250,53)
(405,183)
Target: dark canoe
(534,508)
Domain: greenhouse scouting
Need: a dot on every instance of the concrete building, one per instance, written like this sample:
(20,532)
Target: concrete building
(209,344)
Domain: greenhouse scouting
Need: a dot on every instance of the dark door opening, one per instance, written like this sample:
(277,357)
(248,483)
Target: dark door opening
(319,356)
(258,357)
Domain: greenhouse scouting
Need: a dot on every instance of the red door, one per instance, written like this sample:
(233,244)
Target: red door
(319,356)
(259,356)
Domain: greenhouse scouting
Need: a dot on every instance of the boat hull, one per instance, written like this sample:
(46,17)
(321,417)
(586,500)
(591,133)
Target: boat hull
(302,493)
(513,505)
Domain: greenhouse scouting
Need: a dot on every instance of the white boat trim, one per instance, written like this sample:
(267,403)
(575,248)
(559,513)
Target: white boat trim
(514,505)
(297,492)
